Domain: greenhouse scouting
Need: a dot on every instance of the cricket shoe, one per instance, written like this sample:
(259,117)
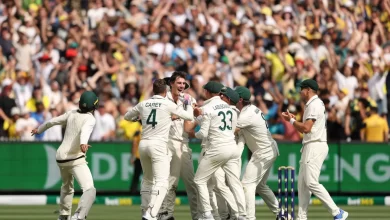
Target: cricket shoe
(342,215)
(64,217)
(165,216)
(76,217)
(206,216)
(241,217)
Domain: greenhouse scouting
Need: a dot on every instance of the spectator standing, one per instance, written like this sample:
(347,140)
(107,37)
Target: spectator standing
(15,113)
(23,50)
(55,133)
(24,126)
(40,116)
(375,128)
(6,105)
(135,161)
(105,125)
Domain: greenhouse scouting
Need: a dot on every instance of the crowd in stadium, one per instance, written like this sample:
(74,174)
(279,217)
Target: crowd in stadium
(53,50)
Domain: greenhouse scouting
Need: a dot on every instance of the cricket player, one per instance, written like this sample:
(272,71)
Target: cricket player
(219,186)
(155,114)
(217,126)
(181,164)
(71,155)
(314,151)
(264,150)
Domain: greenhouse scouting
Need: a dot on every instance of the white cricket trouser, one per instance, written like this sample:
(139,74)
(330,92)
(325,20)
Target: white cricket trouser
(255,180)
(221,190)
(214,158)
(83,176)
(210,185)
(181,165)
(154,156)
(312,158)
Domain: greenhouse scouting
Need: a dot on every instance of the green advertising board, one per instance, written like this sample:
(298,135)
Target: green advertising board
(32,166)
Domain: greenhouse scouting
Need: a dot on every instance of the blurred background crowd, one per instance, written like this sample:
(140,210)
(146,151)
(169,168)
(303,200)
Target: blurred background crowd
(53,50)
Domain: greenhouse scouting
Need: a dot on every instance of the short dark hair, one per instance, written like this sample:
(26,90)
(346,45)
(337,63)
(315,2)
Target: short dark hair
(159,86)
(178,74)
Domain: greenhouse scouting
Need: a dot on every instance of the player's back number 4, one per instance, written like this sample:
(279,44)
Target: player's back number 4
(152,118)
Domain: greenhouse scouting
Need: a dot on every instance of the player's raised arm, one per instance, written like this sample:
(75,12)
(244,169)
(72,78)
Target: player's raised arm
(60,120)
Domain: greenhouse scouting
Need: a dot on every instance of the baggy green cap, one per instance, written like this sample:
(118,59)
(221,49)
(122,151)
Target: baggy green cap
(88,101)
(213,87)
(243,92)
(231,94)
(309,83)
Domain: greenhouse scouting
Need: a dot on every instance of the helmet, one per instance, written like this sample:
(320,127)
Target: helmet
(88,101)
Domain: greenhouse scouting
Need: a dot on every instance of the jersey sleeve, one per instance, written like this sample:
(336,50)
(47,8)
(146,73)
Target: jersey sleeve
(60,120)
(179,111)
(86,130)
(204,128)
(244,120)
(133,113)
(313,112)
(240,140)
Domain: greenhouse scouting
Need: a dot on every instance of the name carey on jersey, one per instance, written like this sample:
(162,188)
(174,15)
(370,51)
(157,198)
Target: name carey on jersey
(220,106)
(153,105)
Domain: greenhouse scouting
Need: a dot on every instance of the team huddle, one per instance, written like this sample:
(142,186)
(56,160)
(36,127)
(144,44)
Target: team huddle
(225,123)
(215,191)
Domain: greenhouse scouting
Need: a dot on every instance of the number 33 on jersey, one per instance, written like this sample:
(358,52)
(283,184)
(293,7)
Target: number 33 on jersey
(218,123)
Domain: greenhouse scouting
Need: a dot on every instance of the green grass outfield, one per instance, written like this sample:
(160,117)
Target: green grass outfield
(102,212)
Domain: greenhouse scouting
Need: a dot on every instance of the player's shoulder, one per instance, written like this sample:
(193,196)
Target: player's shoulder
(74,112)
(235,109)
(315,103)
(250,109)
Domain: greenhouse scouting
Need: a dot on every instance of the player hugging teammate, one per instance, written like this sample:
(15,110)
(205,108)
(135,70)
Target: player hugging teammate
(215,190)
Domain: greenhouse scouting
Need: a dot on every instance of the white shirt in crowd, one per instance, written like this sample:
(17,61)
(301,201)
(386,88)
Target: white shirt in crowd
(341,107)
(53,134)
(179,19)
(348,82)
(22,93)
(55,97)
(104,124)
(376,86)
(23,56)
(158,48)
(95,15)
(24,127)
